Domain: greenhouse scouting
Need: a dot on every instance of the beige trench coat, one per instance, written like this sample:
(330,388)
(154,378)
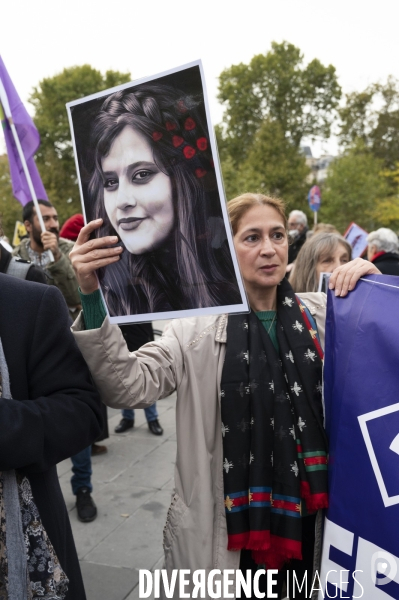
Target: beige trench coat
(189,359)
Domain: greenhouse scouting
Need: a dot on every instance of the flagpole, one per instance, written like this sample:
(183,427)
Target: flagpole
(7,112)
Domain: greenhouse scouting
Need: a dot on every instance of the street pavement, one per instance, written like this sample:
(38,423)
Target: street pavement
(132,488)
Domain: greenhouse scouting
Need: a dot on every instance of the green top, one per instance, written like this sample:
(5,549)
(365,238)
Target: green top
(94,311)
(268,318)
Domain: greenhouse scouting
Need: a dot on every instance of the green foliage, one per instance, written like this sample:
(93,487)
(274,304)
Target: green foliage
(386,212)
(278,87)
(274,166)
(10,208)
(55,159)
(373,117)
(354,189)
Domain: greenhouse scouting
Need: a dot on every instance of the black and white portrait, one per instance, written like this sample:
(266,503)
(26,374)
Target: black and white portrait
(147,165)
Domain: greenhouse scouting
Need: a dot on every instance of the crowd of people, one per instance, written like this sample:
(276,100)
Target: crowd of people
(249,394)
(219,465)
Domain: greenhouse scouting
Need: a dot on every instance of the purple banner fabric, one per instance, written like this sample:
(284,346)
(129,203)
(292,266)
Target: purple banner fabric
(361,390)
(30,141)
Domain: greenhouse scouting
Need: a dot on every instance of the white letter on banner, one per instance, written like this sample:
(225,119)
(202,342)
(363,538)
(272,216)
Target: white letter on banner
(228,583)
(271,582)
(340,538)
(145,574)
(257,592)
(183,583)
(372,560)
(169,589)
(244,583)
(199,583)
(214,592)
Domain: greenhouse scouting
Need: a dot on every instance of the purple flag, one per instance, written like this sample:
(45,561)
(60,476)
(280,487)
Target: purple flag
(28,137)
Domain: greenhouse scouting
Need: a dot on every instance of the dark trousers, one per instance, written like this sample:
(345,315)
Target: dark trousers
(300,567)
(81,469)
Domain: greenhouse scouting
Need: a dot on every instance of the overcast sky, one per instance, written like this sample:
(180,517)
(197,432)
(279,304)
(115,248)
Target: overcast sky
(39,38)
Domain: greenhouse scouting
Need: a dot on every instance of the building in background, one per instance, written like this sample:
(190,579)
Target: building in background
(318,166)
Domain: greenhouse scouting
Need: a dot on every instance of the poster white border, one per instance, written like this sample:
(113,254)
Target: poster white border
(213,310)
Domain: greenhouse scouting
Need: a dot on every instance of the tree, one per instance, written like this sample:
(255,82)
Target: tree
(274,166)
(386,212)
(10,208)
(55,158)
(354,189)
(278,87)
(373,117)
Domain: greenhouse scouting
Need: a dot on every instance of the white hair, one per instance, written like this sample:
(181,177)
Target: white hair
(299,216)
(385,240)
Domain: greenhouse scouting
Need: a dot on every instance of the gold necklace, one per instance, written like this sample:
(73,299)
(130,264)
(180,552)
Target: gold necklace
(271,325)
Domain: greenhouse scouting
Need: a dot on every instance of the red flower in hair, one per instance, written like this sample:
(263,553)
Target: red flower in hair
(156,136)
(200,173)
(188,151)
(189,124)
(177,141)
(170,126)
(202,144)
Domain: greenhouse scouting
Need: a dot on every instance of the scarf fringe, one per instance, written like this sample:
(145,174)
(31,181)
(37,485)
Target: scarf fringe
(271,550)
(314,502)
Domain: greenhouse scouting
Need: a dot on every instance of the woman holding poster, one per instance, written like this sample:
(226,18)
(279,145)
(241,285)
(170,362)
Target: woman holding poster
(153,183)
(251,448)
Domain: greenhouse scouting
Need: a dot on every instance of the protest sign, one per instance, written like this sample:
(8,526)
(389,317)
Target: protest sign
(147,165)
(324,279)
(361,382)
(19,233)
(356,236)
(314,198)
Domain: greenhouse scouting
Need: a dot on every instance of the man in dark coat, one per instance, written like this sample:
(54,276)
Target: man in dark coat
(298,227)
(383,250)
(54,411)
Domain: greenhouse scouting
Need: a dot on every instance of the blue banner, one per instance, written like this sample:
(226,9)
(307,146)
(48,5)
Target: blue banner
(361,391)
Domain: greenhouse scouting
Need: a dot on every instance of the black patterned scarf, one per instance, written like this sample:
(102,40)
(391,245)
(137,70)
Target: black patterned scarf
(274,445)
(29,566)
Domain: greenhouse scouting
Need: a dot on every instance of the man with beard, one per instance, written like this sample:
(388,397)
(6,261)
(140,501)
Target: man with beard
(60,272)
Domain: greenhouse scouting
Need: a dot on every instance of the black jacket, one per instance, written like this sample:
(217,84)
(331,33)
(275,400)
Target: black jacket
(296,245)
(387,263)
(34,274)
(55,410)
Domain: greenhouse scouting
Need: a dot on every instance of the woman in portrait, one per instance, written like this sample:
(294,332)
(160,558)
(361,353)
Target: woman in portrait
(154,186)
(251,464)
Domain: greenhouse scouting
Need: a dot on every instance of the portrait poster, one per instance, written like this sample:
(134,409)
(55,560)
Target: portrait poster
(356,236)
(147,165)
(324,280)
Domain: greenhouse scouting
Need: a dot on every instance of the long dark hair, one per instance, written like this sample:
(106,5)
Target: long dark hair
(193,268)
